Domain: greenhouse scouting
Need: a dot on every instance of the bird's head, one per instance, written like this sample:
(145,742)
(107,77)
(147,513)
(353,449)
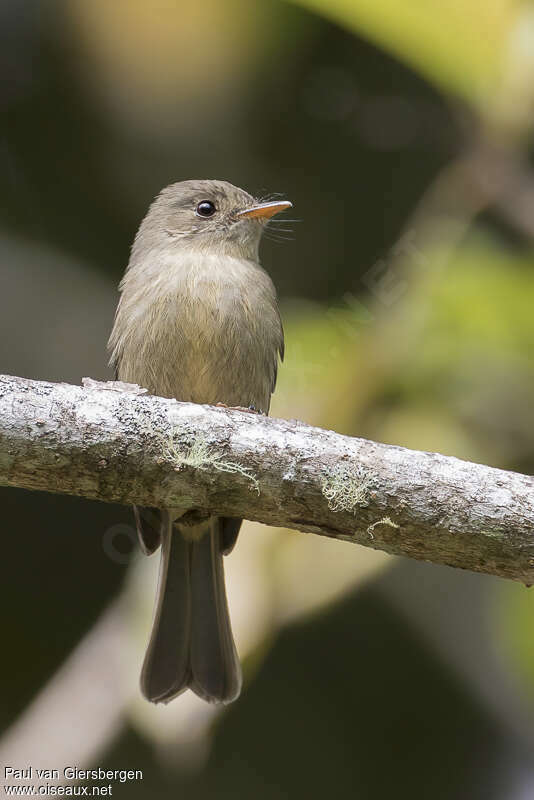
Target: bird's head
(213,216)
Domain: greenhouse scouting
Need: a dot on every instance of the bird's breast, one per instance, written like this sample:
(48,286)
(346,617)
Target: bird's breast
(210,333)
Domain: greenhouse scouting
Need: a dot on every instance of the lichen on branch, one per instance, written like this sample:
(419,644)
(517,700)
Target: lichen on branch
(115,443)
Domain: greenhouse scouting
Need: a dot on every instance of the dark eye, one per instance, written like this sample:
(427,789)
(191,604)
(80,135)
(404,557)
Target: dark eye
(206,209)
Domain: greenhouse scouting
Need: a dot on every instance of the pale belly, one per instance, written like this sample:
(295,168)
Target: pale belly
(221,350)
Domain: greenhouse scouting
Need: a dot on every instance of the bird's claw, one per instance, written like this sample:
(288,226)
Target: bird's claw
(249,409)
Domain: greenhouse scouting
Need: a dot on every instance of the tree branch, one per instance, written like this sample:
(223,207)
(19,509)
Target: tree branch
(112,442)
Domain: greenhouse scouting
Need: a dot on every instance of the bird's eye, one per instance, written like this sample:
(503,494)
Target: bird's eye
(206,209)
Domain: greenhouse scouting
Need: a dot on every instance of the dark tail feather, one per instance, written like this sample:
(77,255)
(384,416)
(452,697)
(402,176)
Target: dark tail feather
(165,670)
(191,644)
(215,668)
(148,523)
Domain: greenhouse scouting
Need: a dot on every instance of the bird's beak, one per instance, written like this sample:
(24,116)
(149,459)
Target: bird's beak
(265,210)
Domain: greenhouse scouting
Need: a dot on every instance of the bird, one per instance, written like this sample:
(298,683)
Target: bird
(197,320)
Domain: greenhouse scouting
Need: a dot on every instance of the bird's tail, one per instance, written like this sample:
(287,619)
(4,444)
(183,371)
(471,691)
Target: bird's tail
(191,645)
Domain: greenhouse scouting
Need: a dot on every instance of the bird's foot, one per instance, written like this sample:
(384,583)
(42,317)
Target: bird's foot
(254,410)
(249,409)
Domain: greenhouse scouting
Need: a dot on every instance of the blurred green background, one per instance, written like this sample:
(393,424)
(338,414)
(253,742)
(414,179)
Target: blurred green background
(402,132)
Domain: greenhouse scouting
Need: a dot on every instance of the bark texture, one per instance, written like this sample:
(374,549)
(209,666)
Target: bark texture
(113,442)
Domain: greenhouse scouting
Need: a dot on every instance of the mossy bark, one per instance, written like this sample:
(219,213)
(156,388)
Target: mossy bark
(113,442)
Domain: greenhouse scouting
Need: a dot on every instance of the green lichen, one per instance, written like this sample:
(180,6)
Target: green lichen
(346,488)
(200,455)
(383,521)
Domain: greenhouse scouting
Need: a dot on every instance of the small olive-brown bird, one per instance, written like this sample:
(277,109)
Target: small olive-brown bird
(197,320)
